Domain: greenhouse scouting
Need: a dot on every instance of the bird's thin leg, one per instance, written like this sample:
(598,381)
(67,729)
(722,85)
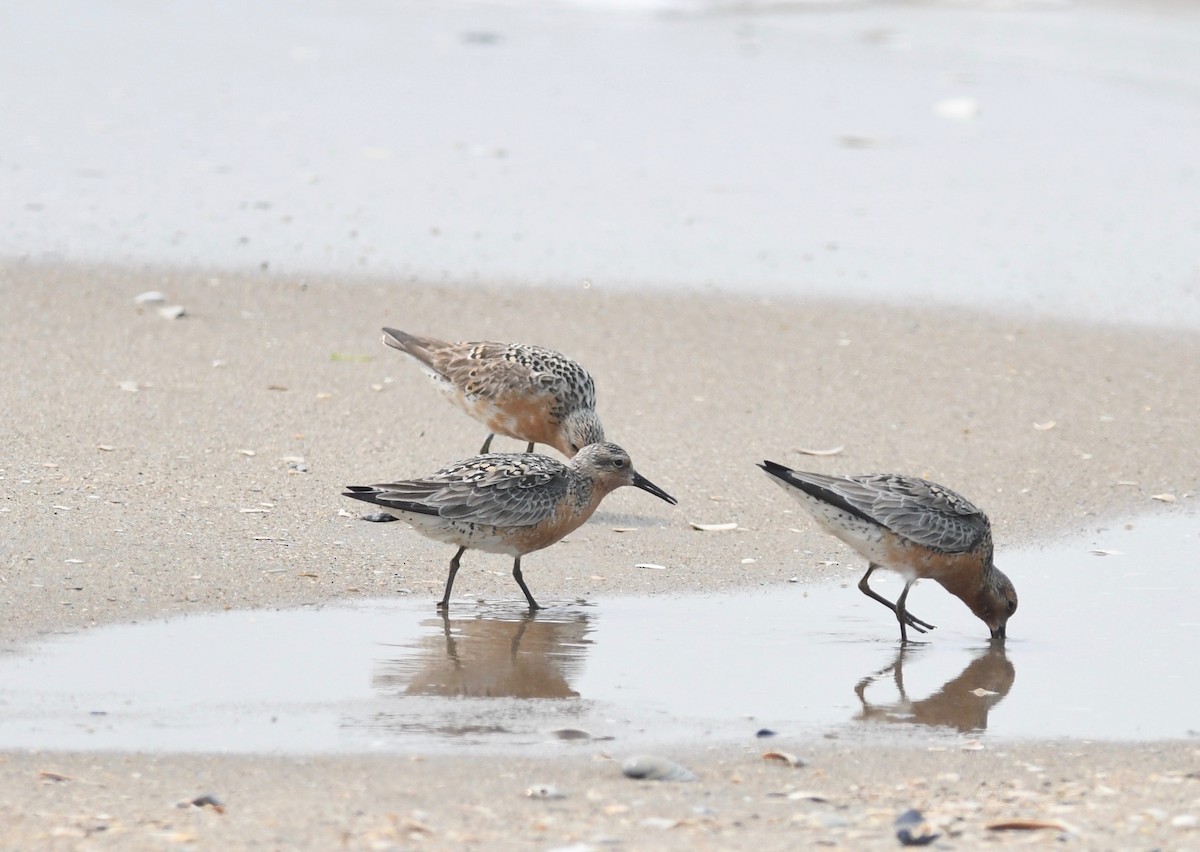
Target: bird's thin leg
(912,620)
(444,603)
(487,443)
(521,582)
(529,449)
(902,614)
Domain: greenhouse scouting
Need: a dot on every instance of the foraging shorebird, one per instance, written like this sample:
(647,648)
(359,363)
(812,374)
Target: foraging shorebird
(513,503)
(524,392)
(915,527)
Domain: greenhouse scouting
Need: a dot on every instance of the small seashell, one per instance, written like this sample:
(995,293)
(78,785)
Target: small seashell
(171,311)
(379,517)
(1101,552)
(204,801)
(624,529)
(1045,427)
(713,527)
(832,451)
(806,796)
(150,297)
(651,565)
(784,757)
(129,385)
(543,791)
(571,734)
(764,732)
(649,767)
(912,830)
(108,448)
(1163,498)
(1026,825)
(247,452)
(659,822)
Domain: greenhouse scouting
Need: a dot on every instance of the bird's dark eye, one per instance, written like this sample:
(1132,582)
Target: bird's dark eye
(574,447)
(619,463)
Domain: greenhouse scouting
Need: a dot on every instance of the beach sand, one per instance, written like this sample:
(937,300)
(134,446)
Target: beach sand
(135,444)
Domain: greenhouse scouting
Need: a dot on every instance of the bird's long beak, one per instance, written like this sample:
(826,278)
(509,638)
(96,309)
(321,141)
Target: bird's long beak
(645,484)
(1000,633)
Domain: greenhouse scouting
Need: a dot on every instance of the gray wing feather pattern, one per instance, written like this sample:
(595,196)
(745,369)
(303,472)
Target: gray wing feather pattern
(499,489)
(921,511)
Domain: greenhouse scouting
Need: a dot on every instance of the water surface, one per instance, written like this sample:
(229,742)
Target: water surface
(1103,647)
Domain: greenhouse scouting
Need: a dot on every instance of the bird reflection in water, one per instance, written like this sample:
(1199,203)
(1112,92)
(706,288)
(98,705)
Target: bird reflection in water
(531,655)
(963,703)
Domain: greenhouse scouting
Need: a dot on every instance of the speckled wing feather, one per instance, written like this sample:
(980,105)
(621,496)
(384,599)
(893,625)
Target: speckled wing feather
(500,489)
(499,369)
(921,511)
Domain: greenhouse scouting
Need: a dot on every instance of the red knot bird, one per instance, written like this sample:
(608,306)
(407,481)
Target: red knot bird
(513,503)
(524,392)
(913,526)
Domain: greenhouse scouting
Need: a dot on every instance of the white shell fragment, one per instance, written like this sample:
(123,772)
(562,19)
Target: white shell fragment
(806,796)
(649,767)
(1163,498)
(150,297)
(295,464)
(651,565)
(171,311)
(128,385)
(1045,427)
(544,791)
(832,451)
(1102,552)
(713,527)
(784,757)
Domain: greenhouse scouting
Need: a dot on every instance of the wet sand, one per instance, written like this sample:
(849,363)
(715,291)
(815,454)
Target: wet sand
(182,496)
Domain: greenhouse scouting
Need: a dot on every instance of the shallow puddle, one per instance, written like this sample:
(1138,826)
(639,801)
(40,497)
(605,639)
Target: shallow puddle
(1104,646)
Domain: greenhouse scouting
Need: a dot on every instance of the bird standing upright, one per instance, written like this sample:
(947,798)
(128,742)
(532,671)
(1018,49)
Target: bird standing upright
(915,527)
(525,392)
(513,503)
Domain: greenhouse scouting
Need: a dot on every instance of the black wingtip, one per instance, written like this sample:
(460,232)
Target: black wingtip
(775,469)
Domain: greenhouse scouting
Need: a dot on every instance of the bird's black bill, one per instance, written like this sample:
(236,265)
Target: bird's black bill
(1000,633)
(645,484)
